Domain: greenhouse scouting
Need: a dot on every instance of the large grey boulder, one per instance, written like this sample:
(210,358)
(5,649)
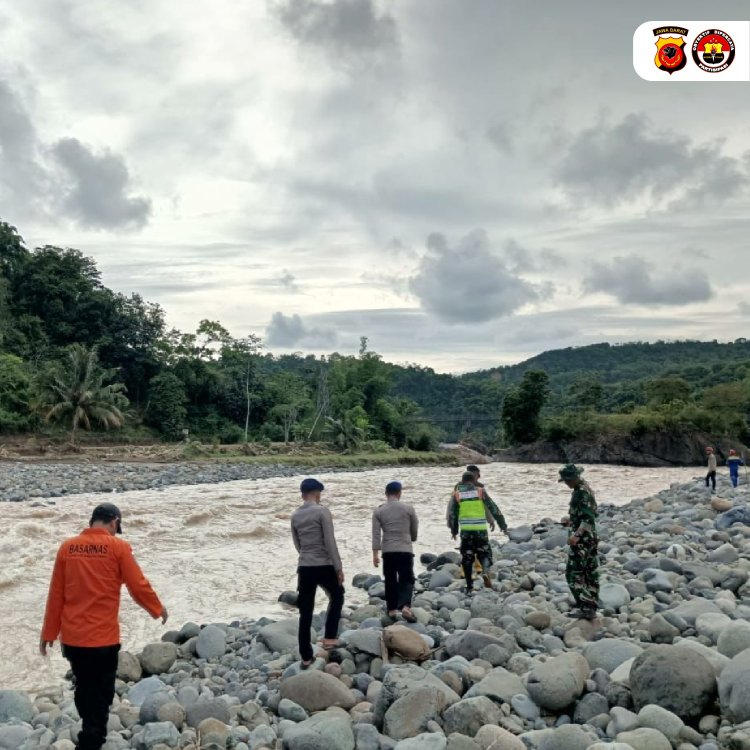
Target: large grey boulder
(213,708)
(13,736)
(499,685)
(734,688)
(693,608)
(282,636)
(15,705)
(211,643)
(408,716)
(613,596)
(368,641)
(158,733)
(157,658)
(735,638)
(470,715)
(656,717)
(491,737)
(426,741)
(151,704)
(402,680)
(557,683)
(317,691)
(568,737)
(141,690)
(644,739)
(328,730)
(677,679)
(609,653)
(128,667)
(468,643)
(712,656)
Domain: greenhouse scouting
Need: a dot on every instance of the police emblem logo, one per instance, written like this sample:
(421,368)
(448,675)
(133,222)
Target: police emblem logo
(670,55)
(713,50)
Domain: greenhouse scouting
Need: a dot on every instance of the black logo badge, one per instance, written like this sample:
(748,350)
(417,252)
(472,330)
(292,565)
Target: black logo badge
(670,55)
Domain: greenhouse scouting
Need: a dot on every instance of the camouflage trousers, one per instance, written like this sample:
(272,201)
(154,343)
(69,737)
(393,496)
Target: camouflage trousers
(475,544)
(582,572)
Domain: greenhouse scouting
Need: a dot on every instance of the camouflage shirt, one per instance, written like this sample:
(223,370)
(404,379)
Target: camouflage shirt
(582,511)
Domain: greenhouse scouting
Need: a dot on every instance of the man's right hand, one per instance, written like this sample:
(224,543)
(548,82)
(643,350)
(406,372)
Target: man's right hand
(340,577)
(43,646)
(164,615)
(375,559)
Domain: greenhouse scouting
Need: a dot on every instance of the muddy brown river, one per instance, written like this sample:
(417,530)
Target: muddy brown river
(219,552)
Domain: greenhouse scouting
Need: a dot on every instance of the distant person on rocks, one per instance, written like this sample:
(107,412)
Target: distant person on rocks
(734,462)
(82,610)
(711,475)
(582,570)
(474,470)
(394,529)
(319,565)
(469,518)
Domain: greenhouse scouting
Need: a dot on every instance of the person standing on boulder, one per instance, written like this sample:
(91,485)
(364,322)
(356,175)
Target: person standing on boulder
(711,475)
(319,564)
(82,610)
(582,569)
(394,529)
(469,518)
(734,462)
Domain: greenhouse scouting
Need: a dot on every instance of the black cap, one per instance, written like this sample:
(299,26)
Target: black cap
(107,512)
(392,488)
(473,469)
(310,485)
(468,476)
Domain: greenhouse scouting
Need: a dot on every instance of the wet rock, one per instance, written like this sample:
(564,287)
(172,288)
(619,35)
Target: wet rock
(645,739)
(410,714)
(212,642)
(609,653)
(214,708)
(734,638)
(682,682)
(316,691)
(613,596)
(469,715)
(157,658)
(734,688)
(15,705)
(329,730)
(557,683)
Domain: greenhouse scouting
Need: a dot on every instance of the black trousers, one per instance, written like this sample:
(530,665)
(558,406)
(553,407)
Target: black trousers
(308,580)
(398,571)
(711,476)
(94,670)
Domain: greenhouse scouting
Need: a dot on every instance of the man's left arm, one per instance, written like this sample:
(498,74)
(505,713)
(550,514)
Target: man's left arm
(55,602)
(495,511)
(587,513)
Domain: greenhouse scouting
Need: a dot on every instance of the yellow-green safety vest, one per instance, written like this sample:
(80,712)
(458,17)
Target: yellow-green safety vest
(471,513)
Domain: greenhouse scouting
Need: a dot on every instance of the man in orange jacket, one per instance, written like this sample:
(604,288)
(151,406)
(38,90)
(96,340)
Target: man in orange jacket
(82,610)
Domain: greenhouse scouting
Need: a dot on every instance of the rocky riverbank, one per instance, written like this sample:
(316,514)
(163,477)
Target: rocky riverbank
(665,666)
(654,448)
(21,481)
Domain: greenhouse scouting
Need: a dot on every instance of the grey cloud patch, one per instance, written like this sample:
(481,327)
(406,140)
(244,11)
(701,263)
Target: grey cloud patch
(22,179)
(614,164)
(521,259)
(98,186)
(288,331)
(346,29)
(500,135)
(92,189)
(467,282)
(633,281)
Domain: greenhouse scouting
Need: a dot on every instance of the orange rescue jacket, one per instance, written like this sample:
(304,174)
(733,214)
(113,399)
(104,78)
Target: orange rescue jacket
(84,594)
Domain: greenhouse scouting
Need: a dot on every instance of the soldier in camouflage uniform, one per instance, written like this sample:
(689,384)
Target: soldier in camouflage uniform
(468,516)
(582,570)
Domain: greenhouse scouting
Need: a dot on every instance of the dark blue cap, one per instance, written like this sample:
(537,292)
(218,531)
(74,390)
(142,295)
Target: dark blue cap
(310,485)
(392,488)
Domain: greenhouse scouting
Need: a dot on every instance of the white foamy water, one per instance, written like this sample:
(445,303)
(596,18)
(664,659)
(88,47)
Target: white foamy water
(220,552)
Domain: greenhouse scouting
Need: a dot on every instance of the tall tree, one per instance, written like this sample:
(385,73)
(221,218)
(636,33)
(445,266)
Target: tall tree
(523,405)
(78,390)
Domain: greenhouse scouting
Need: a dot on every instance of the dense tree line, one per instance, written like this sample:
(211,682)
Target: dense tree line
(75,353)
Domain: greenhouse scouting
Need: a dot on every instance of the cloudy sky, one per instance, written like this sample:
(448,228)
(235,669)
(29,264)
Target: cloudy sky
(465,183)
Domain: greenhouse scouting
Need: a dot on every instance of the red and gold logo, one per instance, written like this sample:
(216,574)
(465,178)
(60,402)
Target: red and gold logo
(670,55)
(713,50)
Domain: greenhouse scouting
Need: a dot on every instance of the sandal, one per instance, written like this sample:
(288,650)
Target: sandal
(330,644)
(408,615)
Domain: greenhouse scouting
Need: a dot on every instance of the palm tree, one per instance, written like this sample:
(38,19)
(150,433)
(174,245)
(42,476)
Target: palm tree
(346,434)
(78,390)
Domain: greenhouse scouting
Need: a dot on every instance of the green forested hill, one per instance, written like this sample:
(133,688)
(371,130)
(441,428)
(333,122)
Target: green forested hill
(75,354)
